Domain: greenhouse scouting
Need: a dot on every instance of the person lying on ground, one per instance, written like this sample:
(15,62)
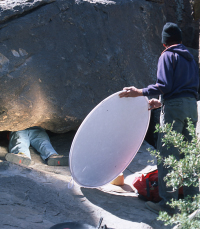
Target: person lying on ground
(19,142)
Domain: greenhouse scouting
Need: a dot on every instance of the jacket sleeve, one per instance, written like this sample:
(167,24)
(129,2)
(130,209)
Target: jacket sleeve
(164,76)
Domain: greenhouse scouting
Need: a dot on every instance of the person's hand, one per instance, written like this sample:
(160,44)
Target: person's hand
(131,92)
(154,103)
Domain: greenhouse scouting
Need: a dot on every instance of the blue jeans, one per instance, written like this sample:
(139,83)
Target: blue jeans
(34,136)
(175,110)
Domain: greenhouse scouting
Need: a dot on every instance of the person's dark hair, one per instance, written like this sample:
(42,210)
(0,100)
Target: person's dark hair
(171,34)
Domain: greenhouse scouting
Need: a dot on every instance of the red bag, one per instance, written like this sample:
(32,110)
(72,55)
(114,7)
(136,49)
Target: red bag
(147,186)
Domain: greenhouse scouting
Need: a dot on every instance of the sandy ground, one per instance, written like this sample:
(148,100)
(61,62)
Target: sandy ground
(38,196)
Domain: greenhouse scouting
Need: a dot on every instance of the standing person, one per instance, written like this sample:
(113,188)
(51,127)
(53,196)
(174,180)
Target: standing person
(177,82)
(19,142)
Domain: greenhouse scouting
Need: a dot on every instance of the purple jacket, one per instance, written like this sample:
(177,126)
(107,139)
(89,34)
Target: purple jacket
(177,74)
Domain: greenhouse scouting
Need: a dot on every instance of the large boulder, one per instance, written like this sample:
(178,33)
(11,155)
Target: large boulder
(60,58)
(195,4)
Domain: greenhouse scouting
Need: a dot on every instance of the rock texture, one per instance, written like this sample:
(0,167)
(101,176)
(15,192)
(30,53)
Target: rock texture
(195,4)
(60,58)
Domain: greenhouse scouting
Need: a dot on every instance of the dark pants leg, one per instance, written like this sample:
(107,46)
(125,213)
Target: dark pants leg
(175,110)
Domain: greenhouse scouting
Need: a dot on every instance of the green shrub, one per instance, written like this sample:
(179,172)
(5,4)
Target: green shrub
(185,172)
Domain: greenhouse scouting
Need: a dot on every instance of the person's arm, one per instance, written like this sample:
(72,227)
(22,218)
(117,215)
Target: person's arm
(131,92)
(165,74)
(163,84)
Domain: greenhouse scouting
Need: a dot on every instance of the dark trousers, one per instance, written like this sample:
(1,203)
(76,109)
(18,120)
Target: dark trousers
(175,110)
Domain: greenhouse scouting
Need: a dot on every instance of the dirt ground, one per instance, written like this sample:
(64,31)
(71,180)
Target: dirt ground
(38,196)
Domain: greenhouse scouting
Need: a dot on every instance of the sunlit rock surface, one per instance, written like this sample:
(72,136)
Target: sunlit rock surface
(60,58)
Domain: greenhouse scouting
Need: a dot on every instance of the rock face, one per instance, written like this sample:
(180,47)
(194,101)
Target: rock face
(195,4)
(60,58)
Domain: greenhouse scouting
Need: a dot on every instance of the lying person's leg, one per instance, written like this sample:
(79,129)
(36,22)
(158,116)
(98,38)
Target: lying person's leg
(19,148)
(41,142)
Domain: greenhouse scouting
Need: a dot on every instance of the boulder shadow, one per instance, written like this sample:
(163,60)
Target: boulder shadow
(125,207)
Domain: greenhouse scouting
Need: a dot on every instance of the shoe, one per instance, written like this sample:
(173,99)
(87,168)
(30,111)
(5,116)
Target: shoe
(156,208)
(20,158)
(56,160)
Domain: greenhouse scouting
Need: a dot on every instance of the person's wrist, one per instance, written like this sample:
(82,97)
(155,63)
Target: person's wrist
(140,92)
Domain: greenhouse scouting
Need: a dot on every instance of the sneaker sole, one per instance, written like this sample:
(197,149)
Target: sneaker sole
(151,209)
(17,159)
(161,210)
(58,161)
